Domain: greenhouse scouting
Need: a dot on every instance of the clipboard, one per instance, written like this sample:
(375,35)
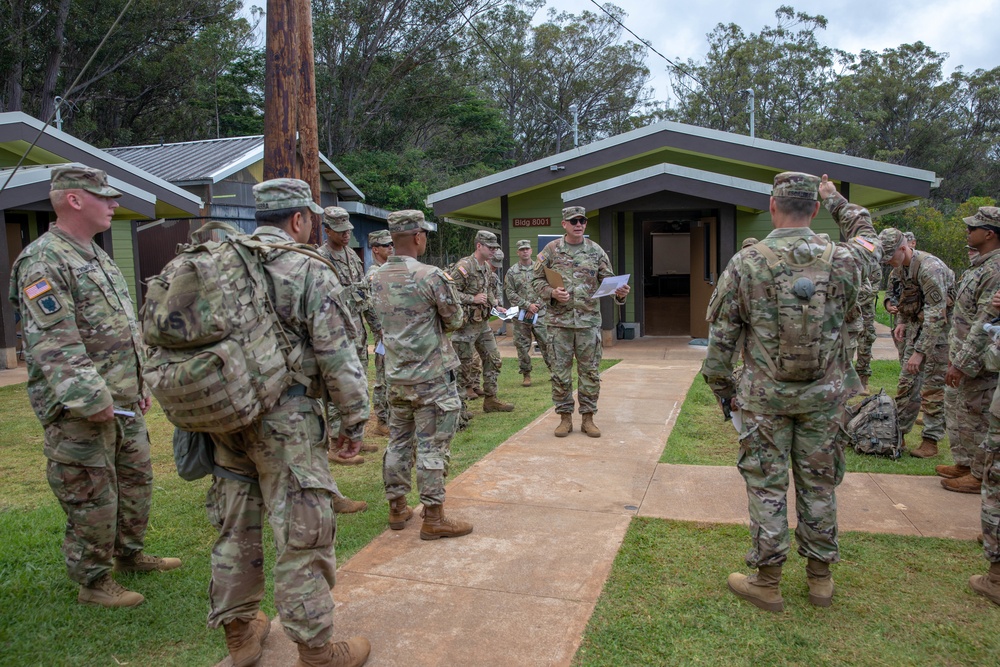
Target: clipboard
(554,278)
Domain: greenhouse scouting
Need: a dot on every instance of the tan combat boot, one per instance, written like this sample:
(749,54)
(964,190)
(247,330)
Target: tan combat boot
(436,526)
(864,386)
(245,639)
(471,395)
(399,513)
(928,448)
(344,505)
(951,472)
(382,430)
(351,653)
(527,380)
(140,562)
(988,585)
(493,404)
(963,484)
(479,391)
(760,589)
(565,426)
(369,447)
(820,583)
(333,456)
(589,427)
(107,592)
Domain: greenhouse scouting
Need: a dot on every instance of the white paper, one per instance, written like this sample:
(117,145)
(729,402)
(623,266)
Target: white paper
(504,314)
(737,420)
(124,413)
(380,348)
(610,284)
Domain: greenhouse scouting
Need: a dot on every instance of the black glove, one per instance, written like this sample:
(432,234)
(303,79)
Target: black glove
(726,405)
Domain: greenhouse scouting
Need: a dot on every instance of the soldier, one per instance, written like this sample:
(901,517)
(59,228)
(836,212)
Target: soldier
(418,305)
(928,290)
(530,321)
(356,300)
(795,381)
(893,295)
(380,242)
(574,316)
(81,344)
(473,283)
(866,304)
(285,452)
(969,386)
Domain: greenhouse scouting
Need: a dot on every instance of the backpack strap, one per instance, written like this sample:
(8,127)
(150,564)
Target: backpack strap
(772,259)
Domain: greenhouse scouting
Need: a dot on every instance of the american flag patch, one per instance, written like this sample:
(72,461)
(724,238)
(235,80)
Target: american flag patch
(867,245)
(35,290)
(462,270)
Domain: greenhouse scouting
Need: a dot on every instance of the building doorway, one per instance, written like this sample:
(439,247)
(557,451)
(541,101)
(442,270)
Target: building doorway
(666,276)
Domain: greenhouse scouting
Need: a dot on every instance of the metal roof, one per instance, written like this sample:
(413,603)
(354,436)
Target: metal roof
(29,185)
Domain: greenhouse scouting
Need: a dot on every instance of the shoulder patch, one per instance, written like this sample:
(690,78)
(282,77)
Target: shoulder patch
(36,289)
(49,304)
(462,270)
(864,243)
(448,276)
(542,257)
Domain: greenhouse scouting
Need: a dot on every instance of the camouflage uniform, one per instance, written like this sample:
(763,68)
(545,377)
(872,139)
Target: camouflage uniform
(517,287)
(866,302)
(84,354)
(797,424)
(286,452)
(927,289)
(418,305)
(475,336)
(574,327)
(894,296)
(380,396)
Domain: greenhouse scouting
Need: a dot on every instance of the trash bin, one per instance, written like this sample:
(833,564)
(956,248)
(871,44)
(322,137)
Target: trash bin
(628,330)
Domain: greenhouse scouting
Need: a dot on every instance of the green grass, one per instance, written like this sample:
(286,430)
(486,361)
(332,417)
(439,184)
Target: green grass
(700,437)
(898,601)
(40,621)
(881,316)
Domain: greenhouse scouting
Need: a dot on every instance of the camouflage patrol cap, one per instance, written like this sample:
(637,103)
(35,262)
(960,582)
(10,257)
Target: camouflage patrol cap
(337,219)
(796,185)
(488,239)
(379,237)
(410,219)
(749,241)
(284,193)
(72,177)
(909,237)
(890,238)
(986,215)
(497,259)
(524,243)
(571,212)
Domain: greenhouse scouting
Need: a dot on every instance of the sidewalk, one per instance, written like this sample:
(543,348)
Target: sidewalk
(550,514)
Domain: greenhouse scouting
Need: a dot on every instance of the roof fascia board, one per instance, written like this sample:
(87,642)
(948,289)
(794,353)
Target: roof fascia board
(365,209)
(253,155)
(341,176)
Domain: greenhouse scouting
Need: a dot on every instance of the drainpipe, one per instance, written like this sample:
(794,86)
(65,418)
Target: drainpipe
(750,107)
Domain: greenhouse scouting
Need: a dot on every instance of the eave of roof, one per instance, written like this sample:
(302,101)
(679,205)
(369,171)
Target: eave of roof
(29,188)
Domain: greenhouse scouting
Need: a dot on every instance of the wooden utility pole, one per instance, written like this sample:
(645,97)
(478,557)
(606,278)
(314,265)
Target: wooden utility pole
(307,123)
(281,74)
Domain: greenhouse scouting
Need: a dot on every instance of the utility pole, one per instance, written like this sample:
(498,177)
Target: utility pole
(308,129)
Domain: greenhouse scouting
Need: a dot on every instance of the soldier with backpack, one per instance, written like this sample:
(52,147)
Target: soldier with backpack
(788,294)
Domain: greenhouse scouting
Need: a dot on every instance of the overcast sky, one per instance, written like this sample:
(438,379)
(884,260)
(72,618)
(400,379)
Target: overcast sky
(965,29)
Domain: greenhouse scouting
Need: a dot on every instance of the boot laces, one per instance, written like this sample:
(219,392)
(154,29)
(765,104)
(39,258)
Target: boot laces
(110,586)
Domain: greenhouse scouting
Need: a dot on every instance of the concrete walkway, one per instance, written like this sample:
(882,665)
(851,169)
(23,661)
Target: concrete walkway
(550,514)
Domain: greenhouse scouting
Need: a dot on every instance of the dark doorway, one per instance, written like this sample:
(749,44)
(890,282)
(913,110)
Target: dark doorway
(666,245)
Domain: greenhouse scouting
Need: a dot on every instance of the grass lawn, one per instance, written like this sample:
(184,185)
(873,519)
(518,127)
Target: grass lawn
(898,601)
(40,620)
(700,437)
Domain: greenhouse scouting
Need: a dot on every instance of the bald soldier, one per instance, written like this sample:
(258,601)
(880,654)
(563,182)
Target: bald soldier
(84,356)
(380,241)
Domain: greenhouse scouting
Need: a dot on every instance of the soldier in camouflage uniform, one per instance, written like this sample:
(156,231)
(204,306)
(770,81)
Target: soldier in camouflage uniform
(380,242)
(473,283)
(521,295)
(574,318)
(786,422)
(928,290)
(969,385)
(866,303)
(356,300)
(84,356)
(286,453)
(893,295)
(418,305)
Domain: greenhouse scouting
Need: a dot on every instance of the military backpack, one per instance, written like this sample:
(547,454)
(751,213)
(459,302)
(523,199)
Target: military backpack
(874,428)
(218,357)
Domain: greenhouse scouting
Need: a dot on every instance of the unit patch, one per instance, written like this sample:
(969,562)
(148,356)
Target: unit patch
(49,304)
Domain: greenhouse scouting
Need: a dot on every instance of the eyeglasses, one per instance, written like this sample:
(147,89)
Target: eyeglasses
(383,245)
(577,221)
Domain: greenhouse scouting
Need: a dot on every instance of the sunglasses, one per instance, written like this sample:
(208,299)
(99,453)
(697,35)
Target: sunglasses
(578,221)
(383,245)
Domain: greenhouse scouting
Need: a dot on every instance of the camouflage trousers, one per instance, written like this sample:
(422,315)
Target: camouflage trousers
(380,393)
(812,446)
(424,416)
(103,479)
(923,390)
(967,414)
(866,339)
(523,333)
(286,452)
(585,345)
(332,413)
(477,338)
(990,491)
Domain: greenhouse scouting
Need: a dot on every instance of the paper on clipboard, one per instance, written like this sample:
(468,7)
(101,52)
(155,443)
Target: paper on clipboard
(380,348)
(610,284)
(554,278)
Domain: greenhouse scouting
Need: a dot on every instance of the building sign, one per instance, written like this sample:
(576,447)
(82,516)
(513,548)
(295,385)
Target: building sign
(532,222)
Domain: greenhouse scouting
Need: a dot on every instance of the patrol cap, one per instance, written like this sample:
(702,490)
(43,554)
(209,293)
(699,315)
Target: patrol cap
(497,259)
(488,239)
(909,237)
(73,177)
(571,212)
(337,219)
(404,221)
(749,241)
(986,215)
(524,243)
(379,237)
(283,193)
(796,185)
(890,238)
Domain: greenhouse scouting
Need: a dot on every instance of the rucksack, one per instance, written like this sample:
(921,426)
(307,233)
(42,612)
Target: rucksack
(874,428)
(800,292)
(218,357)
